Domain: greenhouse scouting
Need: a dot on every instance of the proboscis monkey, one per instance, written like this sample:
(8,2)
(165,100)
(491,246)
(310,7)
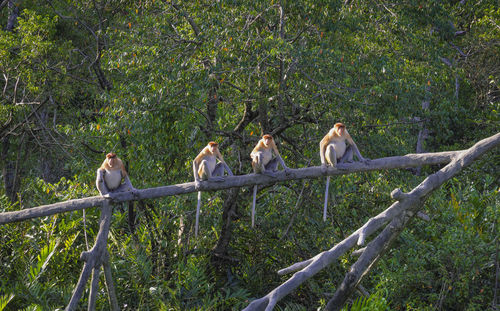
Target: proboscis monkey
(333,148)
(205,167)
(263,163)
(109,177)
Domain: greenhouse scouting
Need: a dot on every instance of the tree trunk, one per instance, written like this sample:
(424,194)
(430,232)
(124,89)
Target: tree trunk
(13,15)
(230,211)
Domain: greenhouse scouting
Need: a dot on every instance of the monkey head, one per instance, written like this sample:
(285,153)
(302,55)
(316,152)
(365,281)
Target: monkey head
(111,159)
(213,146)
(267,139)
(339,128)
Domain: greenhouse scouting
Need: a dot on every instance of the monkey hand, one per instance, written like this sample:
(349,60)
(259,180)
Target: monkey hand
(365,160)
(324,168)
(197,185)
(109,195)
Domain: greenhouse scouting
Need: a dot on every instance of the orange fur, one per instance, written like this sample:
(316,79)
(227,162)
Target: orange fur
(206,152)
(265,150)
(112,163)
(337,133)
(261,145)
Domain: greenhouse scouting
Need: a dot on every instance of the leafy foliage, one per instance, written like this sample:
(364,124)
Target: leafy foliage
(155,81)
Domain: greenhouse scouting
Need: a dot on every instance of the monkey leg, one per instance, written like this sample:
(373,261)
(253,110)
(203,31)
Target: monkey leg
(272,165)
(331,155)
(218,170)
(203,171)
(217,174)
(100,183)
(257,166)
(347,156)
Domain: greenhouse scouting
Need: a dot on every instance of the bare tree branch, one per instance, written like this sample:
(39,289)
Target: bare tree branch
(409,160)
(191,22)
(4,3)
(398,214)
(93,258)
(113,301)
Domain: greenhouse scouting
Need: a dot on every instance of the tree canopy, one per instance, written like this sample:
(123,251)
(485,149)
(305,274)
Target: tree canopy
(154,81)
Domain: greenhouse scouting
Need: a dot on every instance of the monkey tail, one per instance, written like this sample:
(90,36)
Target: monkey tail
(197,214)
(326,197)
(253,204)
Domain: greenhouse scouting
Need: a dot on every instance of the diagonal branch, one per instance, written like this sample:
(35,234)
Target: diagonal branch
(407,204)
(368,258)
(93,258)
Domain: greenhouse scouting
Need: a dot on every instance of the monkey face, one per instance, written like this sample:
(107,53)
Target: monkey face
(213,148)
(267,139)
(340,129)
(112,161)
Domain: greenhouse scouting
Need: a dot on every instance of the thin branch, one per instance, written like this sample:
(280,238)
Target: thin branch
(4,3)
(191,22)
(92,149)
(297,204)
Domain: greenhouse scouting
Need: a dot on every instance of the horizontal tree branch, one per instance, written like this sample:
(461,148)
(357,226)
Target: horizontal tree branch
(395,212)
(406,161)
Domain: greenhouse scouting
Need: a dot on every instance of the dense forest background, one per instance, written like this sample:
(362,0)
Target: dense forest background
(154,81)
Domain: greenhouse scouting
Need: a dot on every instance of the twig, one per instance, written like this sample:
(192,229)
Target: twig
(294,214)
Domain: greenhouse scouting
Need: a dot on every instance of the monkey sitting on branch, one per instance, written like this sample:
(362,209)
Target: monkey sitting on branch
(110,175)
(205,167)
(263,162)
(333,148)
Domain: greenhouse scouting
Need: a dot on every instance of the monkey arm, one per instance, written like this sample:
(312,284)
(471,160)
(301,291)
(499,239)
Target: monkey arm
(227,168)
(353,144)
(322,152)
(195,171)
(280,159)
(100,183)
(126,179)
(278,156)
